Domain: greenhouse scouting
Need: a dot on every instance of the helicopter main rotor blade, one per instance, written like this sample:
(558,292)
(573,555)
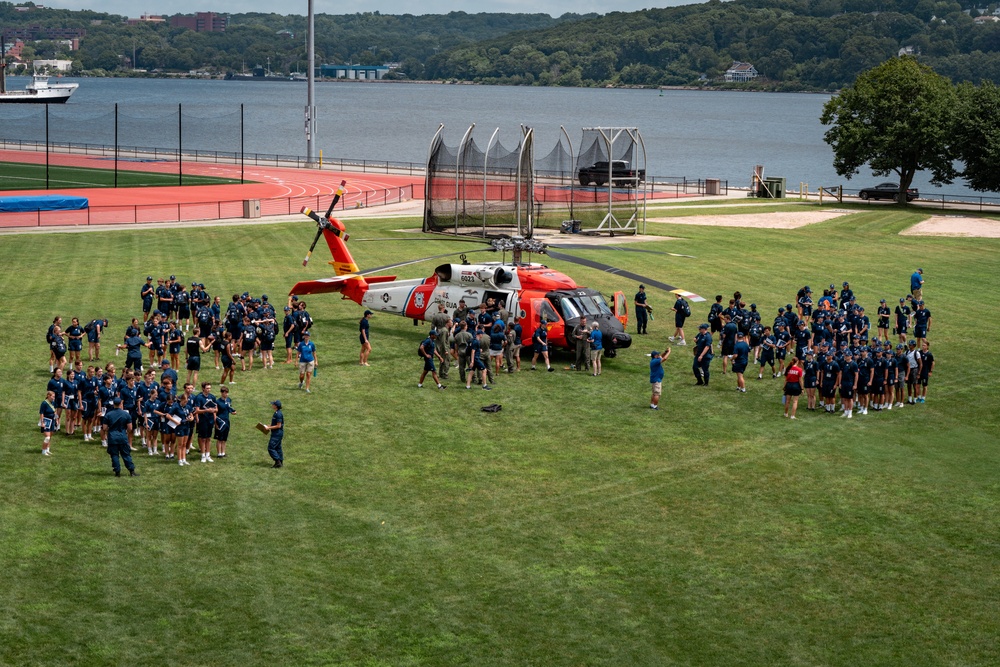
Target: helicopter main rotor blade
(607,268)
(580,246)
(319,232)
(418,261)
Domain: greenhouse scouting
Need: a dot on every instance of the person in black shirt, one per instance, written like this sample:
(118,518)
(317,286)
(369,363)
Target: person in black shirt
(925,370)
(702,355)
(277,433)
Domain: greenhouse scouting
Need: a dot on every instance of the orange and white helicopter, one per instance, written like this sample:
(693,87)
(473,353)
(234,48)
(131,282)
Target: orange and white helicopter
(532,292)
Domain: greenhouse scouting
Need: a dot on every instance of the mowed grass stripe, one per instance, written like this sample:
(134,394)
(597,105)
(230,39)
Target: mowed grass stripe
(24,176)
(574,527)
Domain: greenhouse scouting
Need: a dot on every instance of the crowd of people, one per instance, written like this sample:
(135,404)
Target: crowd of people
(828,349)
(164,414)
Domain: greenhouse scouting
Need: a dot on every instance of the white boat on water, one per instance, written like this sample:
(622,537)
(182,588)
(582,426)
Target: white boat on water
(39,91)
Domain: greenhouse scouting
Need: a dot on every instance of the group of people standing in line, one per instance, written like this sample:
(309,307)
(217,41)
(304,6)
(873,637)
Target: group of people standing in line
(830,346)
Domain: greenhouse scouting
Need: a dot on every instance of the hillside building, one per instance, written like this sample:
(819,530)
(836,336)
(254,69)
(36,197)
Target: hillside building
(740,73)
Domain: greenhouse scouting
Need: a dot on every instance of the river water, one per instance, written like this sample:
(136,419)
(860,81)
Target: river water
(697,134)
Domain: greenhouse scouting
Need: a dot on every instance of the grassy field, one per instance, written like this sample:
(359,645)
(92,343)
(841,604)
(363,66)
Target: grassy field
(575,527)
(24,176)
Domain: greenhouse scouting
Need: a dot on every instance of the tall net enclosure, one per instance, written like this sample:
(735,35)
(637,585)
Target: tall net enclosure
(479,190)
(611,167)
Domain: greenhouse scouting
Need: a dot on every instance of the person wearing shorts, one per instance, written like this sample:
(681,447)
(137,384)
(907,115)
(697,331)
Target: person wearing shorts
(902,320)
(866,366)
(656,374)
(428,351)
(926,368)
(740,357)
(224,408)
(596,347)
(540,345)
(477,367)
(205,410)
(793,387)
(829,381)
(307,360)
(848,382)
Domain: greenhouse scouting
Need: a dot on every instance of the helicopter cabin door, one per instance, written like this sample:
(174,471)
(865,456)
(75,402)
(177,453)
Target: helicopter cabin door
(621,308)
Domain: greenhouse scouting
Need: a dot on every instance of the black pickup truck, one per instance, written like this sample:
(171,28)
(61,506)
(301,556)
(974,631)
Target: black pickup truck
(620,171)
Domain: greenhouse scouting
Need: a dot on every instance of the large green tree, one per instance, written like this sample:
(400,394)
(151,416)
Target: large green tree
(977,135)
(897,118)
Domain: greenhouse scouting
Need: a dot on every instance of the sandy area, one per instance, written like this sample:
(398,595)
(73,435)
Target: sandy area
(955,225)
(768,220)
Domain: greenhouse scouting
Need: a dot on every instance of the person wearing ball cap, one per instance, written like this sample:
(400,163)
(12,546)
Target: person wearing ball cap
(116,423)
(428,351)
(146,294)
(740,357)
(656,376)
(903,314)
(702,355)
(846,294)
(810,377)
(883,320)
(277,432)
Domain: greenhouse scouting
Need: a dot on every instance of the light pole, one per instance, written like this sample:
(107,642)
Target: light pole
(311,89)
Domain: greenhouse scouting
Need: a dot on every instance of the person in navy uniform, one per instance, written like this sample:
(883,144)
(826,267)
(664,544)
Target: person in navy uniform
(477,367)
(848,382)
(810,378)
(133,350)
(917,285)
(702,355)
(829,381)
(768,346)
(224,408)
(926,368)
(866,367)
(802,338)
(805,303)
(175,340)
(784,339)
(540,344)
(146,294)
(682,310)
(883,321)
(715,322)
(428,351)
(288,330)
(248,342)
(846,294)
(921,322)
(902,320)
(740,357)
(877,390)
(205,411)
(195,349)
(641,310)
(168,373)
(57,344)
(277,433)
(364,336)
(48,420)
(182,304)
(164,298)
(117,424)
(74,338)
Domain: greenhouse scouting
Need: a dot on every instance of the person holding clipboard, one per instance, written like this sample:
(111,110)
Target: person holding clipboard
(47,420)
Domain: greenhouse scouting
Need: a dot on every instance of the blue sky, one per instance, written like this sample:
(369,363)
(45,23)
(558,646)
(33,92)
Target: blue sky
(553,7)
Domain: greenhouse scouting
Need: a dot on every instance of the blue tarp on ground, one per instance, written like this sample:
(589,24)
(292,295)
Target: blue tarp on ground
(42,203)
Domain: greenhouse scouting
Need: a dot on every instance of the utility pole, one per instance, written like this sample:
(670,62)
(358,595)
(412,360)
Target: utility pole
(311,90)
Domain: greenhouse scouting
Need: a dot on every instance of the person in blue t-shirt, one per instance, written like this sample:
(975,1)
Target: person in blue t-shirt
(917,284)
(656,376)
(740,357)
(308,362)
(596,338)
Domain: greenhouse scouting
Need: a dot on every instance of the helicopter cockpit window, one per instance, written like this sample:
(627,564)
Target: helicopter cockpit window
(597,301)
(546,310)
(570,309)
